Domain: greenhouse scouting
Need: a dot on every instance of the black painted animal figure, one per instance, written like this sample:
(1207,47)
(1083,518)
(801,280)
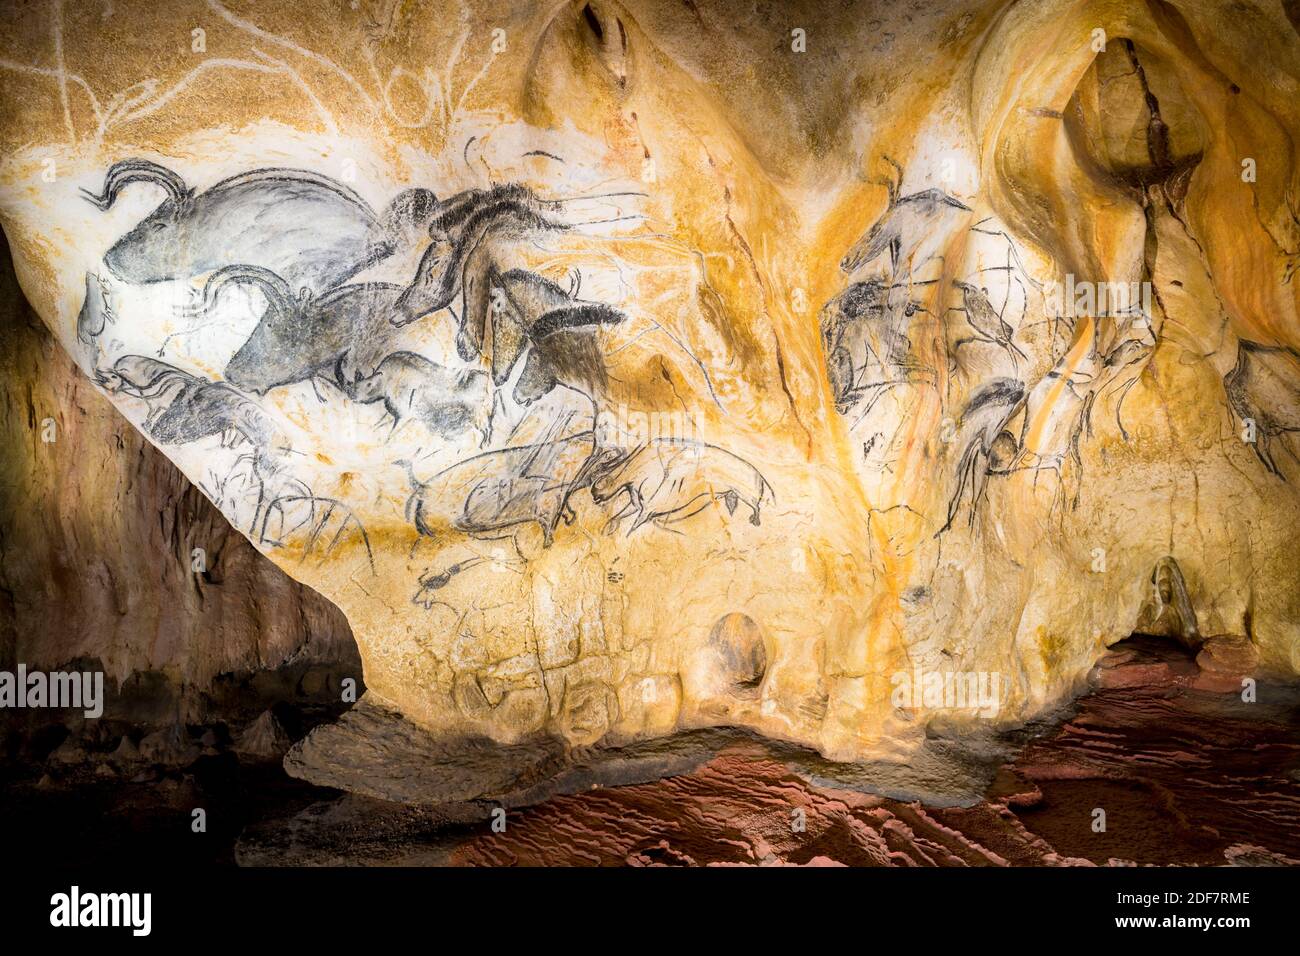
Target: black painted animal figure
(990,448)
(532,316)
(96,311)
(1128,354)
(448,402)
(154,382)
(211,408)
(666,481)
(312,231)
(564,348)
(494,493)
(518,298)
(304,337)
(184,408)
(987,323)
(466,224)
(473,234)
(865,334)
(1052,417)
(1263,389)
(906,223)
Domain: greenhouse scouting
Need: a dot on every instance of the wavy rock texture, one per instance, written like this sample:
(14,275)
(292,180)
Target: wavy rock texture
(623,369)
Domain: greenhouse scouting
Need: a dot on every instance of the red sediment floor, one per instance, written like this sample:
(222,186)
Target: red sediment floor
(1184,776)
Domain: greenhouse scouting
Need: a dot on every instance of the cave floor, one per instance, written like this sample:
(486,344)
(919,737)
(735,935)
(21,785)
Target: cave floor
(1184,776)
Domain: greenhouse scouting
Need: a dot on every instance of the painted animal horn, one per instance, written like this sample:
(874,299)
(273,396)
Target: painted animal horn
(340,379)
(137,170)
(276,290)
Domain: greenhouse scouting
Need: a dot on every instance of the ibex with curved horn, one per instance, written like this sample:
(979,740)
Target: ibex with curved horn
(303,337)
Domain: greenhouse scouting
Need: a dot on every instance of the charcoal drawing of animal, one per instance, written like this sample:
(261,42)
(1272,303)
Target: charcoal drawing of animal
(493,493)
(989,446)
(904,225)
(474,234)
(865,332)
(305,227)
(154,382)
(987,323)
(1053,416)
(666,481)
(557,333)
(1263,388)
(465,233)
(448,402)
(305,337)
(185,408)
(1123,368)
(292,512)
(96,311)
(518,299)
(564,348)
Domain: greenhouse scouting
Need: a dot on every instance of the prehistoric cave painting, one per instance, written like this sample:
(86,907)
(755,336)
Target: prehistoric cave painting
(667,481)
(183,407)
(491,494)
(468,234)
(303,337)
(869,330)
(284,251)
(1262,390)
(994,318)
(308,229)
(499,493)
(893,332)
(96,311)
(907,226)
(446,402)
(1059,408)
(432,582)
(289,514)
(988,447)
(565,349)
(868,348)
(1121,367)
(1052,422)
(461,327)
(965,332)
(509,311)
(986,322)
(472,233)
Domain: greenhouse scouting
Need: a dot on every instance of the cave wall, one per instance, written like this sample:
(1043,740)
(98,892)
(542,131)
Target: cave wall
(836,268)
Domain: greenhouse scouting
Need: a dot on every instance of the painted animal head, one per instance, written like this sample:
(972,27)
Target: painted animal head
(434,285)
(364,388)
(151,251)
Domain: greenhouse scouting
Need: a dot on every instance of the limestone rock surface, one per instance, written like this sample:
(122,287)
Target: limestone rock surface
(844,373)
